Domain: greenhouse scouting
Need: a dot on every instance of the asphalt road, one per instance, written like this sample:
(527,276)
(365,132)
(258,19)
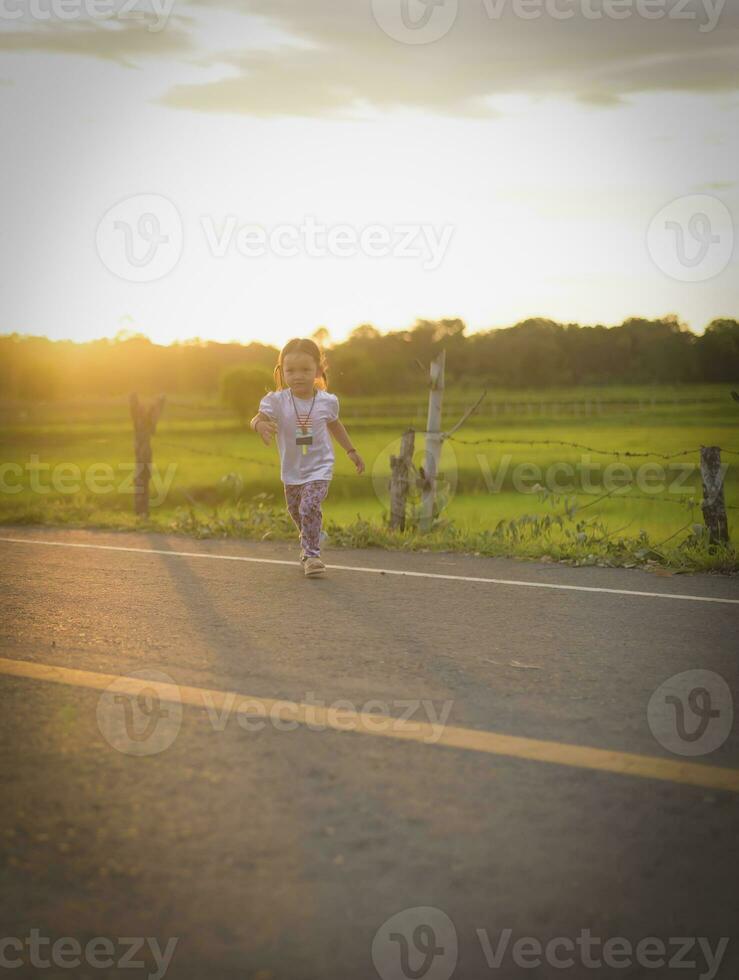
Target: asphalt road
(273,850)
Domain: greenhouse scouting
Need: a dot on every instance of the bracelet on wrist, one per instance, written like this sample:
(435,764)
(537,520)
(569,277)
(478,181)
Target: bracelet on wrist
(350,451)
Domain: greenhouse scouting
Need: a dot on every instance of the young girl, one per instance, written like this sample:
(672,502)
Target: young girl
(304,416)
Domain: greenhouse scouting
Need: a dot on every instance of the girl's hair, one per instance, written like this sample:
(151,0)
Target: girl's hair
(300,345)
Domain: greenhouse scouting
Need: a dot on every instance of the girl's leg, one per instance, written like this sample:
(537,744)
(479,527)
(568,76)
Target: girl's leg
(292,498)
(311,517)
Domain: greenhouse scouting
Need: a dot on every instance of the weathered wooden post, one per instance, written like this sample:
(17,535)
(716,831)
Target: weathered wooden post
(400,473)
(432,455)
(145,418)
(713,505)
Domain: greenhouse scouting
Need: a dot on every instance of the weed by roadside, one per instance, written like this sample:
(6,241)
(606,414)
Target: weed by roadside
(559,532)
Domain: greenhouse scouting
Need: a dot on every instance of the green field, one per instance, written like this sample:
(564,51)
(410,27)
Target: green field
(71,462)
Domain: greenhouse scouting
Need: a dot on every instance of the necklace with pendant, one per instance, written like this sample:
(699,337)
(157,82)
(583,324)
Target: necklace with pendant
(304,429)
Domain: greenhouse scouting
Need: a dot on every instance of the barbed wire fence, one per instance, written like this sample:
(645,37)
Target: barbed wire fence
(405,477)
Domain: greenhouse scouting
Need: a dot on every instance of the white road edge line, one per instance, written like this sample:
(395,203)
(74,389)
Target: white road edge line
(377,571)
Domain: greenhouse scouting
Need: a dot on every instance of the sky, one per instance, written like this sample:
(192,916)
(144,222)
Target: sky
(254,170)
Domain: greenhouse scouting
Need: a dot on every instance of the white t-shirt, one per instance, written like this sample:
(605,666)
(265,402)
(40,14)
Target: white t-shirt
(317,463)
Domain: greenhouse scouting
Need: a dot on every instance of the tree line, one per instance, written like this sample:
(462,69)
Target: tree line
(533,353)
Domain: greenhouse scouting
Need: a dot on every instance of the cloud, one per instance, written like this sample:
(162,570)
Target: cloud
(123,41)
(334,57)
(348,60)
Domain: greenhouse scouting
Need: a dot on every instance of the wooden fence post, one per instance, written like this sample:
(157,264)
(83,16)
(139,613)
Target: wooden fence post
(145,418)
(432,453)
(713,505)
(400,472)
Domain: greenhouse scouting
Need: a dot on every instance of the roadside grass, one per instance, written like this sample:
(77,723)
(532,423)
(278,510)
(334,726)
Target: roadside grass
(514,492)
(553,533)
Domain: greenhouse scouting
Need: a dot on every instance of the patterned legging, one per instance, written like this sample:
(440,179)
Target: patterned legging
(304,504)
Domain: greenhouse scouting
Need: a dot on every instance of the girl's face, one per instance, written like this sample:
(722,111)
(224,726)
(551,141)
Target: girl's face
(300,371)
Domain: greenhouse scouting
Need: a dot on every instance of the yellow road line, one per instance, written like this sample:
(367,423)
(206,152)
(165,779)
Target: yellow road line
(369,723)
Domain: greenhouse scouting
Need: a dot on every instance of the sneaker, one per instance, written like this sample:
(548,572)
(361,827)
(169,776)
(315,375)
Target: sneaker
(313,566)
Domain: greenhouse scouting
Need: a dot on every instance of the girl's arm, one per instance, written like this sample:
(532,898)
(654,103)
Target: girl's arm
(340,434)
(264,426)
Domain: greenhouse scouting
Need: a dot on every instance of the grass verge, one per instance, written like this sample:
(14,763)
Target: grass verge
(557,532)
